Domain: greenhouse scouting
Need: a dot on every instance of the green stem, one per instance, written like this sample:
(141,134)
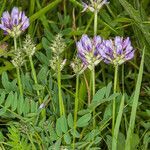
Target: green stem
(123,78)
(93,67)
(19,81)
(76,108)
(61,105)
(95,23)
(18,71)
(36,82)
(34,76)
(114,100)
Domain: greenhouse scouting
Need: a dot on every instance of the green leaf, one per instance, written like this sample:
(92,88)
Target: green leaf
(14,103)
(42,75)
(5,81)
(26,106)
(20,105)
(99,94)
(95,104)
(75,133)
(108,89)
(58,127)
(38,87)
(84,120)
(2,98)
(67,138)
(64,126)
(70,120)
(42,58)
(33,106)
(57,144)
(9,100)
(2,111)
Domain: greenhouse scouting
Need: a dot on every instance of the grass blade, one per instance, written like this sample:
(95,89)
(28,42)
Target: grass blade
(134,105)
(117,125)
(44,10)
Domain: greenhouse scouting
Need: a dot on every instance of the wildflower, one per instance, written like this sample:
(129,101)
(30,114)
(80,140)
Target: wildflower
(88,50)
(95,5)
(28,46)
(15,23)
(116,52)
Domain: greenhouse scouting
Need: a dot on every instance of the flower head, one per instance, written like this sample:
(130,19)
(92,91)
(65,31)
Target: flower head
(18,59)
(28,46)
(116,51)
(95,5)
(88,50)
(58,45)
(15,23)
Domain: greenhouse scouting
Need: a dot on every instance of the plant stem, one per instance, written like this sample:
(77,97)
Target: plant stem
(93,67)
(76,108)
(114,100)
(18,71)
(95,23)
(61,105)
(34,76)
(36,82)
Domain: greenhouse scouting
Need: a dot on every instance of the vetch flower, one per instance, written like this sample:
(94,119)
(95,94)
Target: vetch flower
(95,5)
(116,51)
(15,23)
(87,50)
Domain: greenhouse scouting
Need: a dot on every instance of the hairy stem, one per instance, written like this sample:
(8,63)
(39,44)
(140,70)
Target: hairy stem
(93,67)
(114,100)
(61,105)
(18,71)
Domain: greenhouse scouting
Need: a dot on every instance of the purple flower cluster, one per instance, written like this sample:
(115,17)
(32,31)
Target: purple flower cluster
(116,52)
(88,50)
(15,23)
(95,5)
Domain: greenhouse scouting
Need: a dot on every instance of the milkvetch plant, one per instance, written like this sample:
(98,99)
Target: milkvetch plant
(116,52)
(13,24)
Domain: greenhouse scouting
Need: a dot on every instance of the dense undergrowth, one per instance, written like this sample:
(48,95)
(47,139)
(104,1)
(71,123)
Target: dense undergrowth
(49,100)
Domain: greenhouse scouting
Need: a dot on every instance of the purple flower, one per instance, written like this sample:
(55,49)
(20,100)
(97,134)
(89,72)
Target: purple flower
(117,51)
(15,23)
(87,50)
(95,5)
